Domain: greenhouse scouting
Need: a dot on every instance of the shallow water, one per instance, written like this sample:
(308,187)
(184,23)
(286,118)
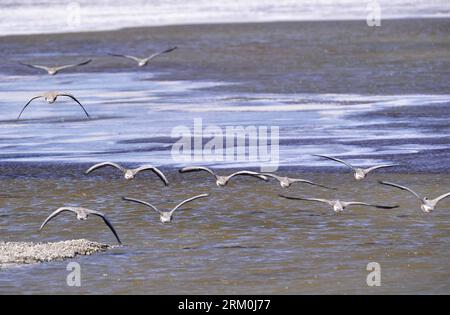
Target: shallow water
(375,96)
(135,114)
(242,239)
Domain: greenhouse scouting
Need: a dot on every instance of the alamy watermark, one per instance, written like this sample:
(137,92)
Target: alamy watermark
(73,14)
(73,279)
(373,19)
(374,277)
(256,144)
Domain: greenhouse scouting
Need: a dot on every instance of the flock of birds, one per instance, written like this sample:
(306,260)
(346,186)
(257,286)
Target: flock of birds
(51,96)
(427,205)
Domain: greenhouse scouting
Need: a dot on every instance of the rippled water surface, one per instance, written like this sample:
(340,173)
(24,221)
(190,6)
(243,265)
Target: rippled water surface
(242,239)
(330,87)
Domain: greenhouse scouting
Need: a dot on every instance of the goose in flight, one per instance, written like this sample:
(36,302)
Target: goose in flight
(130,174)
(427,205)
(286,182)
(144,61)
(82,214)
(56,69)
(165,216)
(359,173)
(338,205)
(51,97)
(222,180)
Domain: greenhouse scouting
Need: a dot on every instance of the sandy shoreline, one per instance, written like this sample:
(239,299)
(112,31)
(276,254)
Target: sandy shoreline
(19,253)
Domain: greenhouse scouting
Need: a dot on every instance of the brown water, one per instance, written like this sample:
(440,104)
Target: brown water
(242,239)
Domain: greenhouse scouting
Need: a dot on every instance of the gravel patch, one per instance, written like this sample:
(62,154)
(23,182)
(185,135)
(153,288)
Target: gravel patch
(14,253)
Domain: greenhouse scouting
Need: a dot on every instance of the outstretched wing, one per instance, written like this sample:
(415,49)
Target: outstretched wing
(141,202)
(307,199)
(278,178)
(436,200)
(248,173)
(107,222)
(73,65)
(100,165)
(136,59)
(35,66)
(299,180)
(188,200)
(161,52)
(368,205)
(402,188)
(73,97)
(335,159)
(18,117)
(154,170)
(196,169)
(370,169)
(55,213)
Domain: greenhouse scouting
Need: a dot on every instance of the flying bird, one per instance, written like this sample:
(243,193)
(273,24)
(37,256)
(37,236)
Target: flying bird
(56,69)
(359,173)
(222,180)
(338,205)
(130,174)
(165,216)
(82,214)
(286,182)
(51,97)
(144,61)
(427,205)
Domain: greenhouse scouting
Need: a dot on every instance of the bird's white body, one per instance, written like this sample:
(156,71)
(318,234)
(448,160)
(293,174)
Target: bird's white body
(426,205)
(128,174)
(82,217)
(221,181)
(165,217)
(359,174)
(338,206)
(50,97)
(284,182)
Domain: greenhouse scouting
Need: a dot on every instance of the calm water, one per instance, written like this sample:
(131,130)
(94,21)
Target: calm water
(368,98)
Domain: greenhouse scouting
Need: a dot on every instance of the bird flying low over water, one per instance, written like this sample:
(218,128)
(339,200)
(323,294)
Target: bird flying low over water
(130,174)
(144,61)
(427,205)
(51,97)
(338,205)
(222,180)
(285,181)
(165,216)
(54,70)
(82,214)
(359,173)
